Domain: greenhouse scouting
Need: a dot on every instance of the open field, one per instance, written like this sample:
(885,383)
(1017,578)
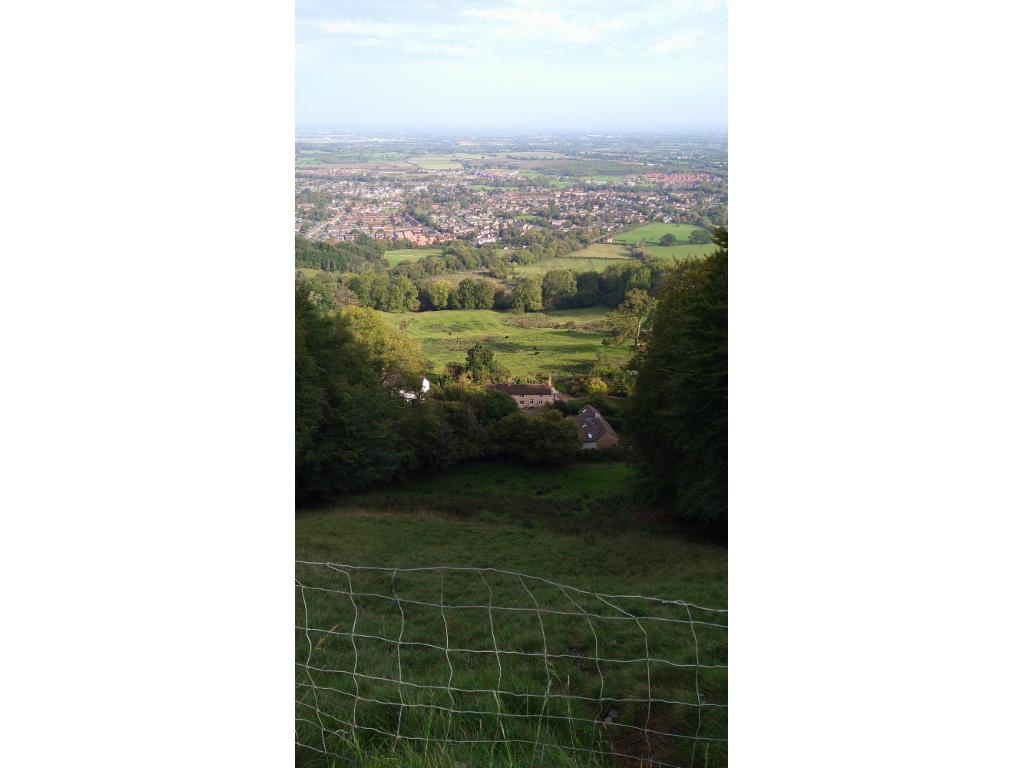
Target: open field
(409,254)
(435,162)
(651,233)
(307,272)
(571,261)
(594,258)
(551,661)
(602,251)
(538,350)
(477,274)
(681,251)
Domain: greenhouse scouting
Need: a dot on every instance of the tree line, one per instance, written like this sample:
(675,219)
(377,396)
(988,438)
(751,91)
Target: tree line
(556,289)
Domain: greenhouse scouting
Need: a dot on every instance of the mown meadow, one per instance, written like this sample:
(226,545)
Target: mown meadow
(650,234)
(536,344)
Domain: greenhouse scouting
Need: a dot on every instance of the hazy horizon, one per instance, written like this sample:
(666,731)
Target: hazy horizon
(513,67)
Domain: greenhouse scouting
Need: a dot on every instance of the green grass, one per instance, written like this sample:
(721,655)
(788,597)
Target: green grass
(627,557)
(573,262)
(307,272)
(535,351)
(409,254)
(651,233)
(681,251)
(602,251)
(594,258)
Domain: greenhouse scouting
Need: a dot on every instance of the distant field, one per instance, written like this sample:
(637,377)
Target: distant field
(681,251)
(602,251)
(456,277)
(567,262)
(593,258)
(651,233)
(409,254)
(435,162)
(535,351)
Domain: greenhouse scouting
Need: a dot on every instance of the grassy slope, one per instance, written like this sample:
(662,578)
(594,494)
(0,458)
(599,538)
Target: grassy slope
(681,251)
(409,254)
(614,557)
(594,257)
(572,262)
(651,233)
(447,335)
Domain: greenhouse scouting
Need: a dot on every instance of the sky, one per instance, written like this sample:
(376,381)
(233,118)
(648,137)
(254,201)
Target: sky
(559,65)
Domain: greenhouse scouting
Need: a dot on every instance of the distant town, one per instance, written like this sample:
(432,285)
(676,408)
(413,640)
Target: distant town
(426,191)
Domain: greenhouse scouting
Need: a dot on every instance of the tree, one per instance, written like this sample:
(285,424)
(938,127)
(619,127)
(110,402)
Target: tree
(631,319)
(327,294)
(700,236)
(527,295)
(678,414)
(401,295)
(437,293)
(398,360)
(480,362)
(476,294)
(351,429)
(547,438)
(558,288)
(667,239)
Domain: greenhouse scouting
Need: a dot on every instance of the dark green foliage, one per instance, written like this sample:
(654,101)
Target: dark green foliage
(547,438)
(667,239)
(389,293)
(678,415)
(327,293)
(476,294)
(559,289)
(363,255)
(350,429)
(700,236)
(528,295)
(481,363)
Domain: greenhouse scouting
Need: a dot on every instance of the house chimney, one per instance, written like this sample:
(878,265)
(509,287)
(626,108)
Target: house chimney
(549,381)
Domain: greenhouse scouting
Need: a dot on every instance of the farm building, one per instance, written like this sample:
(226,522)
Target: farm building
(595,432)
(527,395)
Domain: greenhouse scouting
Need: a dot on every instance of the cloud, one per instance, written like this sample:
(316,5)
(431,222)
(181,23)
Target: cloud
(368,29)
(403,37)
(541,24)
(678,42)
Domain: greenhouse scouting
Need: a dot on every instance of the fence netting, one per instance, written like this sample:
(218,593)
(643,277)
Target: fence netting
(491,666)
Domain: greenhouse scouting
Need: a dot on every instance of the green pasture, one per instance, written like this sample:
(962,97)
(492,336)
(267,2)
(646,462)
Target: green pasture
(594,258)
(520,675)
(651,233)
(681,251)
(558,343)
(409,254)
(576,264)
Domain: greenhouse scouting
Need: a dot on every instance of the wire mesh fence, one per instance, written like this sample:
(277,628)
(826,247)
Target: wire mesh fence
(489,666)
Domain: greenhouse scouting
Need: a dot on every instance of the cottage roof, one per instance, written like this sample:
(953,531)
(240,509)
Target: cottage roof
(592,425)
